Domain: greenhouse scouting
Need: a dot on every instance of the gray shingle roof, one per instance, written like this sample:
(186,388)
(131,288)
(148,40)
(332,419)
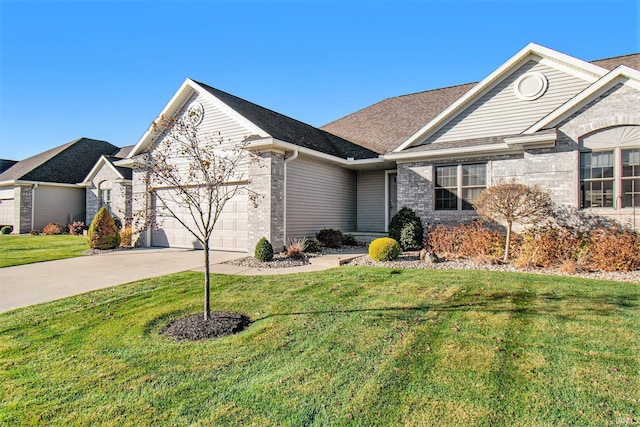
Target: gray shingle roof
(127,173)
(290,130)
(385,125)
(67,164)
(6,164)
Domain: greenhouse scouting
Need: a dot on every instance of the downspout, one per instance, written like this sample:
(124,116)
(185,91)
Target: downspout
(287,160)
(33,205)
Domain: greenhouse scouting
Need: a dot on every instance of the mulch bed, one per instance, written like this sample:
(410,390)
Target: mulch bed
(220,324)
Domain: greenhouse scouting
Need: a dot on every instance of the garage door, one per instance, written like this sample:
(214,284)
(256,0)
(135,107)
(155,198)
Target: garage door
(6,207)
(230,233)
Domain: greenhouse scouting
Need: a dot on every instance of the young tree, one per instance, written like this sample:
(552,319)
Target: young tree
(192,177)
(512,202)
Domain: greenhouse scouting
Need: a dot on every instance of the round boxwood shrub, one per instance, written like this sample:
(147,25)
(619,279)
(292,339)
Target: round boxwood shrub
(7,229)
(384,249)
(103,233)
(406,228)
(313,245)
(263,251)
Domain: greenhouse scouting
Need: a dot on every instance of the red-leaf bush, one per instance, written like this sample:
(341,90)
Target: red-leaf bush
(52,228)
(466,240)
(550,247)
(76,228)
(614,249)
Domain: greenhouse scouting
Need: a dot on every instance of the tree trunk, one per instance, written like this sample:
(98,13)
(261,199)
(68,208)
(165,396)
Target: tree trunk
(507,243)
(207,292)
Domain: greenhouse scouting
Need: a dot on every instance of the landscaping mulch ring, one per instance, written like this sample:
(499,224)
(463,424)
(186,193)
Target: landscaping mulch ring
(220,324)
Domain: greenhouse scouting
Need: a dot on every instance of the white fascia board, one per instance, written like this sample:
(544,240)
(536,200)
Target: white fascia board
(253,128)
(478,150)
(619,75)
(177,101)
(533,141)
(530,51)
(47,184)
(101,161)
(287,146)
(7,183)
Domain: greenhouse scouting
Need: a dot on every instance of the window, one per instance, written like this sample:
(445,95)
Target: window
(631,178)
(457,186)
(600,179)
(610,168)
(105,199)
(596,179)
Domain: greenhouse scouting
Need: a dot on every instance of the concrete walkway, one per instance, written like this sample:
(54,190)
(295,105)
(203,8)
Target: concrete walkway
(29,284)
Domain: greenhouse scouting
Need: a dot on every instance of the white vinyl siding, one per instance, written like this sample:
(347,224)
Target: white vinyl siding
(501,112)
(215,120)
(319,195)
(371,200)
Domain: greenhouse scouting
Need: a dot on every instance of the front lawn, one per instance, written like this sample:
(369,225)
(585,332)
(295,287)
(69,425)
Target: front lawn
(348,346)
(27,249)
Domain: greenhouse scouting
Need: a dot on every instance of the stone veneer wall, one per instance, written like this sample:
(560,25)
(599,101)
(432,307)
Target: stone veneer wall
(22,208)
(120,195)
(139,204)
(266,216)
(556,169)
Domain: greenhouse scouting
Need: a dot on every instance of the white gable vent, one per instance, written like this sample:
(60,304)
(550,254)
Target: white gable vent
(531,86)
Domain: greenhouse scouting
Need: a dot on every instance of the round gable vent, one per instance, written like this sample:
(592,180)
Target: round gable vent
(531,86)
(195,113)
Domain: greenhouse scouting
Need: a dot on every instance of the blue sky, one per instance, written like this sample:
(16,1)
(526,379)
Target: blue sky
(105,70)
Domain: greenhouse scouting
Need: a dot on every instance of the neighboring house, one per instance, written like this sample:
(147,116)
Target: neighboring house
(109,186)
(6,164)
(44,188)
(542,117)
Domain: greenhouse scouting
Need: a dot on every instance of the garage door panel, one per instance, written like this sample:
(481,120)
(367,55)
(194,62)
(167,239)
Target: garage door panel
(230,232)
(6,212)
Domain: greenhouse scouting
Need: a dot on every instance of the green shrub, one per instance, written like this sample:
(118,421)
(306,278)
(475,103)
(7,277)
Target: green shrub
(406,228)
(7,229)
(313,245)
(384,249)
(263,251)
(103,233)
(52,228)
(349,240)
(330,238)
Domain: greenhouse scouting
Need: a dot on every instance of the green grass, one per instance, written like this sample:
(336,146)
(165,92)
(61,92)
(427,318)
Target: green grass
(348,346)
(27,249)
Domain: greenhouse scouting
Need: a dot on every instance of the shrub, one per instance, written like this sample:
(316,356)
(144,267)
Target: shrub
(103,233)
(125,236)
(295,248)
(313,245)
(118,223)
(466,240)
(7,229)
(263,251)
(406,228)
(330,238)
(384,249)
(550,247)
(349,240)
(614,249)
(76,228)
(52,228)
(34,232)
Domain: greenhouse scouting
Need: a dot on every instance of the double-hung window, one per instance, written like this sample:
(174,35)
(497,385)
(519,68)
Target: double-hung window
(105,199)
(610,168)
(457,186)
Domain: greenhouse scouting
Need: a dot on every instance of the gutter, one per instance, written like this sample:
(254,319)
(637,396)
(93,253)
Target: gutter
(286,162)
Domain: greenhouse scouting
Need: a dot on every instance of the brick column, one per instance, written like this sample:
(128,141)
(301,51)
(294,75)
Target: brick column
(266,217)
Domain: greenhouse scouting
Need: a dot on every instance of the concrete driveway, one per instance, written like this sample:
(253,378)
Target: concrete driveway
(25,285)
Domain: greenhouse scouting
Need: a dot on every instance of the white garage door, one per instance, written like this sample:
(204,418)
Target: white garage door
(230,233)
(6,207)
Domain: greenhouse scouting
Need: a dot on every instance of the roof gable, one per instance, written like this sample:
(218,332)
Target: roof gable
(108,161)
(66,164)
(259,123)
(532,53)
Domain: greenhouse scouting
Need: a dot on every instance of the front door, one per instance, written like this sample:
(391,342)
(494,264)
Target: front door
(392,195)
